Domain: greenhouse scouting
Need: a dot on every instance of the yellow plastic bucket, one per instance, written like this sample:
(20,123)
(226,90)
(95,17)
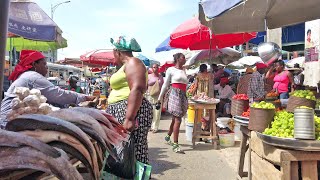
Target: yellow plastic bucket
(191,114)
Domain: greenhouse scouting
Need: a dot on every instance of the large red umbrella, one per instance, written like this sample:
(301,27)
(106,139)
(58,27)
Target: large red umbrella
(195,36)
(102,57)
(164,67)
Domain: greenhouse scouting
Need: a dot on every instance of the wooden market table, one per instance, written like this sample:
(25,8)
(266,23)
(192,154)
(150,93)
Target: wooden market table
(273,163)
(197,132)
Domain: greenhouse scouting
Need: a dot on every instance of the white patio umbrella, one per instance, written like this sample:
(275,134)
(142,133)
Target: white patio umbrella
(247,60)
(218,56)
(255,15)
(167,56)
(298,60)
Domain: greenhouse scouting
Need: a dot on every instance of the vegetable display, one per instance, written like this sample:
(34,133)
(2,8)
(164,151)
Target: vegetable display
(240,97)
(263,105)
(307,94)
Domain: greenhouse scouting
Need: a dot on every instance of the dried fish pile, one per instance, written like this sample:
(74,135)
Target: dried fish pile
(80,133)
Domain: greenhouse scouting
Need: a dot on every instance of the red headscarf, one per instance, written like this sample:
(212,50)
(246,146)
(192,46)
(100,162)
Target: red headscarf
(27,57)
(224,80)
(261,65)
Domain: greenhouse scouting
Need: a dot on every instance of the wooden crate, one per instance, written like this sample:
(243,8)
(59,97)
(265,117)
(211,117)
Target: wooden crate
(270,162)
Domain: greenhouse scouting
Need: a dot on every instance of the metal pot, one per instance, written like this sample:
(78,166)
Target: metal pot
(269,52)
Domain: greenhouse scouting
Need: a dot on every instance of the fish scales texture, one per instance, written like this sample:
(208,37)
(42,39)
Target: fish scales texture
(74,152)
(29,158)
(44,122)
(78,117)
(94,135)
(55,136)
(14,139)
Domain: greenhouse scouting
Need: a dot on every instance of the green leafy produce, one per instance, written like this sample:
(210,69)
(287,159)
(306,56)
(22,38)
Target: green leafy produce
(263,105)
(283,125)
(304,94)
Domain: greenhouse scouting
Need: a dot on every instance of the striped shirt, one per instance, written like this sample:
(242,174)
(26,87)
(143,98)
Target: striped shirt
(256,86)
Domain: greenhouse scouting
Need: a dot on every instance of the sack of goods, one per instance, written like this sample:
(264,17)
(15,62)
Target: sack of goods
(28,102)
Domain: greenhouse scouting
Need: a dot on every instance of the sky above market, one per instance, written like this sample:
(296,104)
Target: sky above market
(89,24)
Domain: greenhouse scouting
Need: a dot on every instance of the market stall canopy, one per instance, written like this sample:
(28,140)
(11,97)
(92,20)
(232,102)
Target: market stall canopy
(164,46)
(195,36)
(146,61)
(77,62)
(218,56)
(28,20)
(21,43)
(255,15)
(247,60)
(298,60)
(102,57)
(167,56)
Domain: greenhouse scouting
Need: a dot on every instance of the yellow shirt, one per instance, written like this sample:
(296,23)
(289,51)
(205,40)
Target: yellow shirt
(120,87)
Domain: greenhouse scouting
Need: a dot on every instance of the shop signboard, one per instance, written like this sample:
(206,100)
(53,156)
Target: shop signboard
(311,53)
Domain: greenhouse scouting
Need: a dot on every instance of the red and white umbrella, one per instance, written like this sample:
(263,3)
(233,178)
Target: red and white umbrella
(102,57)
(195,36)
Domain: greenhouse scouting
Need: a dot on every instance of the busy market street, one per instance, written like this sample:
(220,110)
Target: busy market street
(161,89)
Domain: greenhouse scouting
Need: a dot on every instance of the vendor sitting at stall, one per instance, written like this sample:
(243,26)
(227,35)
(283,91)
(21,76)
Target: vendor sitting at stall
(73,80)
(30,72)
(225,94)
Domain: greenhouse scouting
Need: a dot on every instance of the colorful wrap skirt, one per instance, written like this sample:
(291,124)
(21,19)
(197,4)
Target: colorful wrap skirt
(177,102)
(143,118)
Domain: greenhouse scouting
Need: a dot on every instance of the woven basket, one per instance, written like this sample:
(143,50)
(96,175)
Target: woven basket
(260,119)
(294,102)
(239,106)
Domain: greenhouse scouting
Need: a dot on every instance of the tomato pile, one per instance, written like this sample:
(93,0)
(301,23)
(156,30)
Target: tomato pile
(272,94)
(240,97)
(246,113)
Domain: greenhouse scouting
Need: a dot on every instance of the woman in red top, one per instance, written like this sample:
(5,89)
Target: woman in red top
(282,79)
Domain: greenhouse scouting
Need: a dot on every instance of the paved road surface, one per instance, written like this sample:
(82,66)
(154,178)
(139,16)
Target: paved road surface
(201,163)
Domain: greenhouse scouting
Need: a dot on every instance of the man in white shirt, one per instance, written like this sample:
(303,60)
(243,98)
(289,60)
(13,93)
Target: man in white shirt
(225,94)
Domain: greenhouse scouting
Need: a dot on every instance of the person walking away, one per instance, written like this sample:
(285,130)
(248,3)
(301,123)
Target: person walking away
(126,101)
(73,80)
(155,82)
(281,79)
(176,77)
(256,87)
(225,94)
(242,87)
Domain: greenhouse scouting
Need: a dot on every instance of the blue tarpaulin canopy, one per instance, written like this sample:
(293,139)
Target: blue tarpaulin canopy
(164,46)
(146,61)
(28,20)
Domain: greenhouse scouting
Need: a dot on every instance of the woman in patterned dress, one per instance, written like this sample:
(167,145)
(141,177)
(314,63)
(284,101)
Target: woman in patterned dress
(176,77)
(126,101)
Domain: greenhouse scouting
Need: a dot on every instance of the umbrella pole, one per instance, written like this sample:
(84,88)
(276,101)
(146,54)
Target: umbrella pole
(4,15)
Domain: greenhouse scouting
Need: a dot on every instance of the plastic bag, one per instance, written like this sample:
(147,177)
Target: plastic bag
(143,171)
(124,167)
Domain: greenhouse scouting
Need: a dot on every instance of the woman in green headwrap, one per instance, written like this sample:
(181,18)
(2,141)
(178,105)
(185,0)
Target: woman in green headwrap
(126,101)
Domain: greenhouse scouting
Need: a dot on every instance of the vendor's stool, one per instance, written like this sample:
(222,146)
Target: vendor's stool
(197,132)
